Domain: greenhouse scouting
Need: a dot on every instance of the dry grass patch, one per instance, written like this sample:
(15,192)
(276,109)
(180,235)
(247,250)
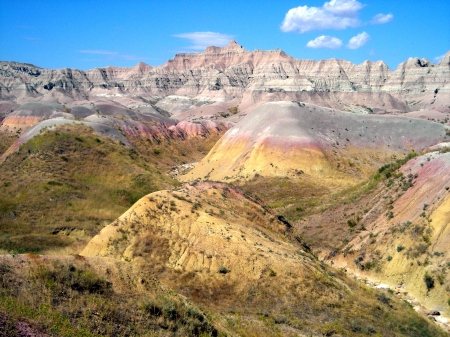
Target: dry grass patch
(63,186)
(69,297)
(7,138)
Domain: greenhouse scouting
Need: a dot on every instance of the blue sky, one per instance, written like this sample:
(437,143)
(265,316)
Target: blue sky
(87,34)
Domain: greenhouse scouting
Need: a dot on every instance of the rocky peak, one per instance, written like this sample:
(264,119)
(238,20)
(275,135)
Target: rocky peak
(142,68)
(445,60)
(233,45)
(231,71)
(415,62)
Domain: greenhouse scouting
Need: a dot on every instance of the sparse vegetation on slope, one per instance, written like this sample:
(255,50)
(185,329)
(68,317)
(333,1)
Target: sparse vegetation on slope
(226,252)
(70,297)
(64,185)
(396,233)
(7,139)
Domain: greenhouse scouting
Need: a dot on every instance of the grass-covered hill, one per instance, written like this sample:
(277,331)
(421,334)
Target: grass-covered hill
(65,184)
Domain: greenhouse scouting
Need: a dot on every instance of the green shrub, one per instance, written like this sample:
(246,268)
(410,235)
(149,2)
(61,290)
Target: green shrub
(429,281)
(351,223)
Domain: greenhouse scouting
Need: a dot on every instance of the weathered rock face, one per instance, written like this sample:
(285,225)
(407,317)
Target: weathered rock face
(223,74)
(409,238)
(419,79)
(106,119)
(283,138)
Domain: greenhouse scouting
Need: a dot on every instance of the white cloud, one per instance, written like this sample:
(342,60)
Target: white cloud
(358,40)
(382,18)
(345,8)
(325,42)
(335,14)
(201,40)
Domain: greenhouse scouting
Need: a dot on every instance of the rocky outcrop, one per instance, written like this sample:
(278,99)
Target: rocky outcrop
(122,129)
(281,139)
(229,72)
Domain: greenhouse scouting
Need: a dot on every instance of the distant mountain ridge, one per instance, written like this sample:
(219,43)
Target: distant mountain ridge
(231,72)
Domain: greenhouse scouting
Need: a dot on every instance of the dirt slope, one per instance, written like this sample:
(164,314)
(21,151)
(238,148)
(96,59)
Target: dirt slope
(285,139)
(226,252)
(407,242)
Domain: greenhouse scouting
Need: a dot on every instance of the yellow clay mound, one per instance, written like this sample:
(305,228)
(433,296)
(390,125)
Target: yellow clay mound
(209,228)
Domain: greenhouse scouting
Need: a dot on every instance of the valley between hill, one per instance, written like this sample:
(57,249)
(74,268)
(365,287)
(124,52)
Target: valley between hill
(225,193)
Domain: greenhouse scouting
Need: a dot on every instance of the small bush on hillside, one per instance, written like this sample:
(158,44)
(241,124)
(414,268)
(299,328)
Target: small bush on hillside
(441,278)
(384,299)
(351,223)
(405,225)
(429,281)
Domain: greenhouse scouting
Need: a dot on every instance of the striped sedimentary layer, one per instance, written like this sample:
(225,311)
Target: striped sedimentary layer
(290,138)
(224,74)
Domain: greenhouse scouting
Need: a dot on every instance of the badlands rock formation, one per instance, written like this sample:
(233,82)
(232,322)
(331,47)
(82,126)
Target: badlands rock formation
(233,74)
(410,238)
(291,138)
(221,248)
(107,118)
(216,84)
(322,122)
(199,228)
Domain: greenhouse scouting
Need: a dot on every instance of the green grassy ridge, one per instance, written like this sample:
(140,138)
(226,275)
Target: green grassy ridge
(73,180)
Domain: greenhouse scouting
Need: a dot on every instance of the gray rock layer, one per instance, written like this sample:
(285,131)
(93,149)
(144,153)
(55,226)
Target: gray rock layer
(231,72)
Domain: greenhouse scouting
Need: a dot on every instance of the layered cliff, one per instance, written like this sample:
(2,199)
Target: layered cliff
(224,74)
